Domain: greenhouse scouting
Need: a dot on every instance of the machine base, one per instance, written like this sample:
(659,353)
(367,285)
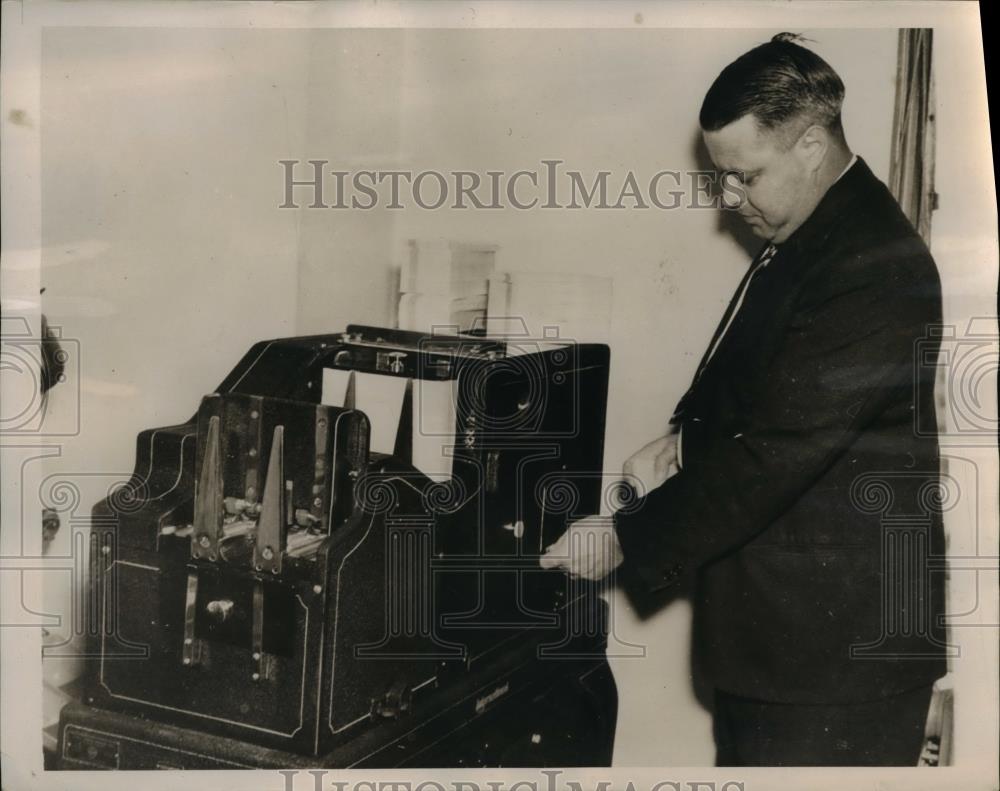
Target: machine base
(564,719)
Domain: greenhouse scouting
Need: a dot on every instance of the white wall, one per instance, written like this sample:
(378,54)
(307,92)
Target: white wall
(158,161)
(352,119)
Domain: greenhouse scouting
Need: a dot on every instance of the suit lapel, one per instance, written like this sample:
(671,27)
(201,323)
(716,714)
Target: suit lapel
(795,252)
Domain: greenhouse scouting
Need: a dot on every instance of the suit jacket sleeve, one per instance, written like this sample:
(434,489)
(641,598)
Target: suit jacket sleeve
(847,353)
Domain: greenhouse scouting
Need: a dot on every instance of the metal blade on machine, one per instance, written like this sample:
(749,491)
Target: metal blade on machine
(208,504)
(272,526)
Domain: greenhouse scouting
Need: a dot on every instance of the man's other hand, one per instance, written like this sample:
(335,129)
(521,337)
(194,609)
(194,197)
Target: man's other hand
(653,463)
(588,549)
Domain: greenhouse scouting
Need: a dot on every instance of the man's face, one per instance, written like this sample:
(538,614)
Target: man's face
(778,182)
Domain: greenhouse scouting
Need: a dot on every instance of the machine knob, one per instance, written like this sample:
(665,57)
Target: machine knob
(219,609)
(396,362)
(395,702)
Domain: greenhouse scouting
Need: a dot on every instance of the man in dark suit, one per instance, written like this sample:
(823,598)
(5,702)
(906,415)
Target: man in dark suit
(796,488)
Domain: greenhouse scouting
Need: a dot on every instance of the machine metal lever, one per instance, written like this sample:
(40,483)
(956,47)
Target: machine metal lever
(208,502)
(272,528)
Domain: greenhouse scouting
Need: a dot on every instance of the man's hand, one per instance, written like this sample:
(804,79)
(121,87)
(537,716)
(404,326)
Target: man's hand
(654,463)
(588,549)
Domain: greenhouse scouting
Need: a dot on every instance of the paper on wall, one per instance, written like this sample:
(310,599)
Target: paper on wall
(335,382)
(380,397)
(433,427)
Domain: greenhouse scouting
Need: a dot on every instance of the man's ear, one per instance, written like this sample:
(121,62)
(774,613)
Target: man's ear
(812,147)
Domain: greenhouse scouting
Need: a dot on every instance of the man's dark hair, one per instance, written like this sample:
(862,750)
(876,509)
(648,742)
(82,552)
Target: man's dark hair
(777,82)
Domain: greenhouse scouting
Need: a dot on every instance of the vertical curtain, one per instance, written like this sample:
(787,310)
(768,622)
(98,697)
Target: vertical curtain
(911,169)
(911,179)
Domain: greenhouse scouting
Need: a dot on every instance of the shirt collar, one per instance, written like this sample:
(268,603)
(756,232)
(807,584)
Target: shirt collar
(854,158)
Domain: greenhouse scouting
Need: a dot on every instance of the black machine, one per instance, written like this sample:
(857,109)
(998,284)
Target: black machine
(334,564)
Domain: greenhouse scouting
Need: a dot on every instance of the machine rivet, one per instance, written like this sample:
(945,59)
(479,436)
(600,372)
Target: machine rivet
(317,588)
(256,677)
(187,641)
(256,657)
(187,660)
(252,452)
(254,415)
(267,553)
(318,502)
(251,492)
(204,541)
(105,549)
